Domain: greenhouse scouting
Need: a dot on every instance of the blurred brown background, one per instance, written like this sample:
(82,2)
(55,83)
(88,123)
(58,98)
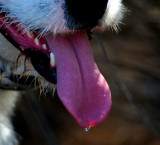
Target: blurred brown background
(135,55)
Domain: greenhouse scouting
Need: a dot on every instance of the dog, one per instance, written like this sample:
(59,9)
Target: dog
(47,41)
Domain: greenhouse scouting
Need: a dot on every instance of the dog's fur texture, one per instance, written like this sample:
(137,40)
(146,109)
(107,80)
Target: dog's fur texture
(37,14)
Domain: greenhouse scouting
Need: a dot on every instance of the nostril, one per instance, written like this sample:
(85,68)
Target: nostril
(84,13)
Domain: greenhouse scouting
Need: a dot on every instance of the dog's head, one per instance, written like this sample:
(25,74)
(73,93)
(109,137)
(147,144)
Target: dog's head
(52,34)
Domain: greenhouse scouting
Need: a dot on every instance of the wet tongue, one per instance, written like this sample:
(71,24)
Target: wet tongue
(81,87)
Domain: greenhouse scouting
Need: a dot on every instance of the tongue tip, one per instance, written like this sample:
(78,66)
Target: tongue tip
(89,118)
(94,120)
(92,123)
(93,117)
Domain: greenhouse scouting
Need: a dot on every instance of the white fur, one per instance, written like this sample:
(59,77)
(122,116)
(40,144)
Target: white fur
(114,14)
(37,14)
(7,103)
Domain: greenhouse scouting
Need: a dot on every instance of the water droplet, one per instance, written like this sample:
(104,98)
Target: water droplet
(87,129)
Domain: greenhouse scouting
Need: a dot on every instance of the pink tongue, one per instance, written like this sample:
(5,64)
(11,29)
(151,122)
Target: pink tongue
(81,87)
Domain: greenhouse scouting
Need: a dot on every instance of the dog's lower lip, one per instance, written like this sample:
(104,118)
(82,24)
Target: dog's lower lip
(42,60)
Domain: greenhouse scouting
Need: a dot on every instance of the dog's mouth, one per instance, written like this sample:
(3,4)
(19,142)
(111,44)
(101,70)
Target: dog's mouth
(68,60)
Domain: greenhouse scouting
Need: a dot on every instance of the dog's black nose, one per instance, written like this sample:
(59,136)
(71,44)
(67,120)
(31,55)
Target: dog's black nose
(84,14)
